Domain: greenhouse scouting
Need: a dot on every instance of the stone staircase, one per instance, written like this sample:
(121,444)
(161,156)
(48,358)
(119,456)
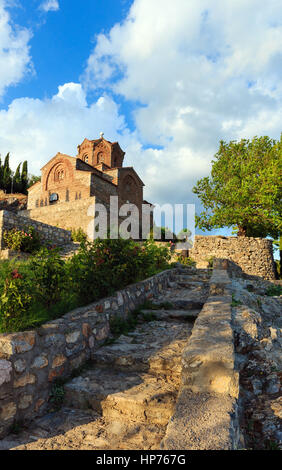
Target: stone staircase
(69,250)
(125,397)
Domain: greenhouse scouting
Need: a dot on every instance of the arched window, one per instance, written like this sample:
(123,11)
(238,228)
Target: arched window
(85,158)
(59,174)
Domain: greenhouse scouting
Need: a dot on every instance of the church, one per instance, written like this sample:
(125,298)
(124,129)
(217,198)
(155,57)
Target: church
(70,185)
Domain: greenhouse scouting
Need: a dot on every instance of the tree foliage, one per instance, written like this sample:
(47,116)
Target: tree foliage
(244,189)
(11,182)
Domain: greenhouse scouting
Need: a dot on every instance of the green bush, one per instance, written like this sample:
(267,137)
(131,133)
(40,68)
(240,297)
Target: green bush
(186,261)
(78,235)
(15,298)
(45,287)
(26,240)
(49,276)
(104,266)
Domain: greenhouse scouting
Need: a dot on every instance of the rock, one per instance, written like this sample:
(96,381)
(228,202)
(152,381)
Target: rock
(55,340)
(276,407)
(257,386)
(73,337)
(20,365)
(25,380)
(25,401)
(40,362)
(58,361)
(5,371)
(273,384)
(8,411)
(17,343)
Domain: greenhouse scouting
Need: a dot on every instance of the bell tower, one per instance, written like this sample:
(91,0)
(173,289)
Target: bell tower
(101,152)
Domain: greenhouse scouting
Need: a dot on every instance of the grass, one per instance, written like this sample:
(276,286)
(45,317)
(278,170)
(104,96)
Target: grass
(120,326)
(38,315)
(235,302)
(57,395)
(274,291)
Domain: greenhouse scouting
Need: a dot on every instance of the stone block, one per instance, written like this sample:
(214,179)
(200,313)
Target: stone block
(5,371)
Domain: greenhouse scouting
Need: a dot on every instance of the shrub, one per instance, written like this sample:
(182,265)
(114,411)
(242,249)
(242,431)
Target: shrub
(104,266)
(78,235)
(274,291)
(26,240)
(45,287)
(15,299)
(49,275)
(186,261)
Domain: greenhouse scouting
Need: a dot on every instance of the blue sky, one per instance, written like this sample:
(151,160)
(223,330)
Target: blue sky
(61,41)
(168,80)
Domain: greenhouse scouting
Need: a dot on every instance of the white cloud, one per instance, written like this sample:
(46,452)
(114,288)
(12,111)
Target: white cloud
(35,130)
(15,60)
(50,5)
(203,71)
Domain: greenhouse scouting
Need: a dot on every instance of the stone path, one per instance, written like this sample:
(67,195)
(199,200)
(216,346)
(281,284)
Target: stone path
(125,398)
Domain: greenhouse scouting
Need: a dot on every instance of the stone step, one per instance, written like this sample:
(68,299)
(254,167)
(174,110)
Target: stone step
(123,396)
(69,250)
(154,347)
(193,278)
(78,429)
(168,315)
(195,285)
(180,303)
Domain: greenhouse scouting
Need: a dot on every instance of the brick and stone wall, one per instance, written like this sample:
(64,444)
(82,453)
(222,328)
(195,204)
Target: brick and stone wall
(48,233)
(30,361)
(253,255)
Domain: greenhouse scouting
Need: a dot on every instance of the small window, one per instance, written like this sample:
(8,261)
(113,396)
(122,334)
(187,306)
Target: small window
(53,198)
(100,157)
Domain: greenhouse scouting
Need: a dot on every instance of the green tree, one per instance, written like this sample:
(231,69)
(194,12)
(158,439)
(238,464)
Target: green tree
(32,179)
(17,181)
(7,175)
(1,174)
(24,178)
(244,189)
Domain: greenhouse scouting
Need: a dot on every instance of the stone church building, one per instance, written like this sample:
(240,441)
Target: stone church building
(70,185)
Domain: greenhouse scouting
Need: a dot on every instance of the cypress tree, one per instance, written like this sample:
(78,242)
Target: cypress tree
(24,178)
(7,174)
(1,174)
(17,181)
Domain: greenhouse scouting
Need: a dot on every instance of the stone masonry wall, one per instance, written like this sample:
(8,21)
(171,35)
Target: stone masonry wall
(30,361)
(67,215)
(9,220)
(253,255)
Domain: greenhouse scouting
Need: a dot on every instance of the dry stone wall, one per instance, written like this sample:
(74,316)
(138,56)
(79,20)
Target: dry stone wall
(253,255)
(31,361)
(48,233)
